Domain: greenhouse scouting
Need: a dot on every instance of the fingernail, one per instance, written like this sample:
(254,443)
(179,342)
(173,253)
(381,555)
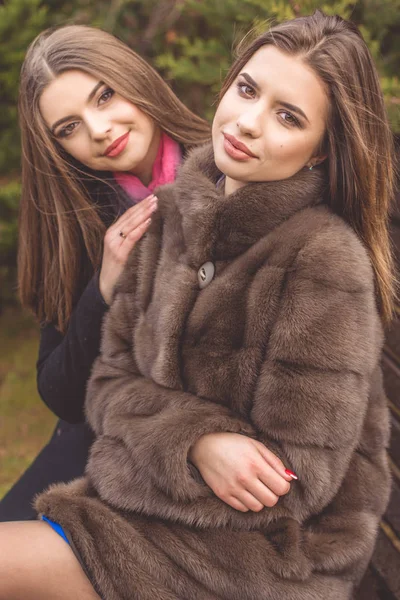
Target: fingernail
(291,474)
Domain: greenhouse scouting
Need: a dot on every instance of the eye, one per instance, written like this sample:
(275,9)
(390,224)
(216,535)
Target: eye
(245,89)
(67,130)
(106,96)
(289,119)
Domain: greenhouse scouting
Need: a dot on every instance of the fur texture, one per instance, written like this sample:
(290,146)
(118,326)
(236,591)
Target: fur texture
(283,345)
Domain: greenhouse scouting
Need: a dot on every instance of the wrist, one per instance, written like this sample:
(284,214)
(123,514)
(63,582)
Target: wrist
(104,293)
(199,449)
(194,452)
(191,455)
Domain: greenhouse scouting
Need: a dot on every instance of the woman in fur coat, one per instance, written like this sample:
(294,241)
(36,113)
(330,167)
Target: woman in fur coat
(248,321)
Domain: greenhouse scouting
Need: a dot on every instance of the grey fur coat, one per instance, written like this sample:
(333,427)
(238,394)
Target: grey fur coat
(283,345)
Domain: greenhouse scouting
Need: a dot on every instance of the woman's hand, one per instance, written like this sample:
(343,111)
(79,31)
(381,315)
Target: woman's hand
(119,240)
(240,471)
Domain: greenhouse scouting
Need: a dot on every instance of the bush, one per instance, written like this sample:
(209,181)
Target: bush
(9,201)
(20,22)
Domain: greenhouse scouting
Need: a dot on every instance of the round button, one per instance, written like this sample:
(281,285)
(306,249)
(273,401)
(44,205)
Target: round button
(205,274)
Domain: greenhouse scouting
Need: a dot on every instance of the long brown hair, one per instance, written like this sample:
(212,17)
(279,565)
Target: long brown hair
(59,227)
(358,139)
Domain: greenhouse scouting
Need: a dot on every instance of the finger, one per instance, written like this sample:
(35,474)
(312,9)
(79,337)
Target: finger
(131,239)
(235,503)
(272,480)
(129,226)
(250,501)
(136,210)
(134,218)
(273,461)
(263,493)
(137,217)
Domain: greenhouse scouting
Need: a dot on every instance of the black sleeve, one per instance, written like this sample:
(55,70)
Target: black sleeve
(65,361)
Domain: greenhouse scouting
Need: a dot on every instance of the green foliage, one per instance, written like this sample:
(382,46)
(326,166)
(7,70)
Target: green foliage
(381,19)
(20,22)
(391,92)
(199,47)
(9,201)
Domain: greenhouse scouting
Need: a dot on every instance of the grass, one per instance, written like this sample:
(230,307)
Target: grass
(25,422)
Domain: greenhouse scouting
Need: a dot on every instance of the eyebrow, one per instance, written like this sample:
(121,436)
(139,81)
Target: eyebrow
(292,107)
(89,99)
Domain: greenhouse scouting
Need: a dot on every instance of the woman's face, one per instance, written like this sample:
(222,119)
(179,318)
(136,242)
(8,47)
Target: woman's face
(98,127)
(271,120)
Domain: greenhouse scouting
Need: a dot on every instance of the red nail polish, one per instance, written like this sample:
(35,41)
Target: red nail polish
(292,475)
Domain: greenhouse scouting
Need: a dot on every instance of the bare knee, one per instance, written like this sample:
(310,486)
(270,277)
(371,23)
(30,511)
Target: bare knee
(37,564)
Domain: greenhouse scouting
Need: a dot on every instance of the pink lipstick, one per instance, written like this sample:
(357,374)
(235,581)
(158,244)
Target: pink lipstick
(235,149)
(117,146)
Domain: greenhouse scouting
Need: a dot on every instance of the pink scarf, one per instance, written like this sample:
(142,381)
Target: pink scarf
(168,159)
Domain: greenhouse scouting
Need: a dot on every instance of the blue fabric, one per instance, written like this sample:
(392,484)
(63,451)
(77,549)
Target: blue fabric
(56,528)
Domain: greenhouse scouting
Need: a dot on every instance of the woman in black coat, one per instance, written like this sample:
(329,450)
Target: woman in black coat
(67,279)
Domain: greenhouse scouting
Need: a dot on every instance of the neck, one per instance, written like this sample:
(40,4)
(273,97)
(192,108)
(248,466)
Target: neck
(144,171)
(231,185)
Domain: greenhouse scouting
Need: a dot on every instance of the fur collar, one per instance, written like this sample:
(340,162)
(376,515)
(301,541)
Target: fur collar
(219,227)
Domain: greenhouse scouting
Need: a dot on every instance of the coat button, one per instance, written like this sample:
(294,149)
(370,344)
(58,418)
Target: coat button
(205,274)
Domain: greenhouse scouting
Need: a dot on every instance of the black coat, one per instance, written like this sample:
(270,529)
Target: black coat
(63,368)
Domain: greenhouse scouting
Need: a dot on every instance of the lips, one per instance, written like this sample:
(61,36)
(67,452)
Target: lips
(117,146)
(234,145)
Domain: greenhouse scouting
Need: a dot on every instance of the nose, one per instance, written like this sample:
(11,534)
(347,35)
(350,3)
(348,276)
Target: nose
(98,125)
(249,122)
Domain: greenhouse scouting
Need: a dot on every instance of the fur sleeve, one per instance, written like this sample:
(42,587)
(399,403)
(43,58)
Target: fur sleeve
(144,430)
(314,388)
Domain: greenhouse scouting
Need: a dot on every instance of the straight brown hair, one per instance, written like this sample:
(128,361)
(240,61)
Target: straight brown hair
(60,230)
(358,139)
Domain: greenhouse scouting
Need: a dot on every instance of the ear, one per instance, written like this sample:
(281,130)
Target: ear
(317,160)
(320,159)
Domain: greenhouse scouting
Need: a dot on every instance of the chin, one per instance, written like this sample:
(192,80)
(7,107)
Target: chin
(221,164)
(224,163)
(231,169)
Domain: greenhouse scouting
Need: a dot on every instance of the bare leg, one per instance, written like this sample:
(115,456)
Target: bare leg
(37,564)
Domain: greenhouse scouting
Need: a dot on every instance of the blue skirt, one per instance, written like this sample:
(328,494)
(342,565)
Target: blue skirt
(67,538)
(56,528)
